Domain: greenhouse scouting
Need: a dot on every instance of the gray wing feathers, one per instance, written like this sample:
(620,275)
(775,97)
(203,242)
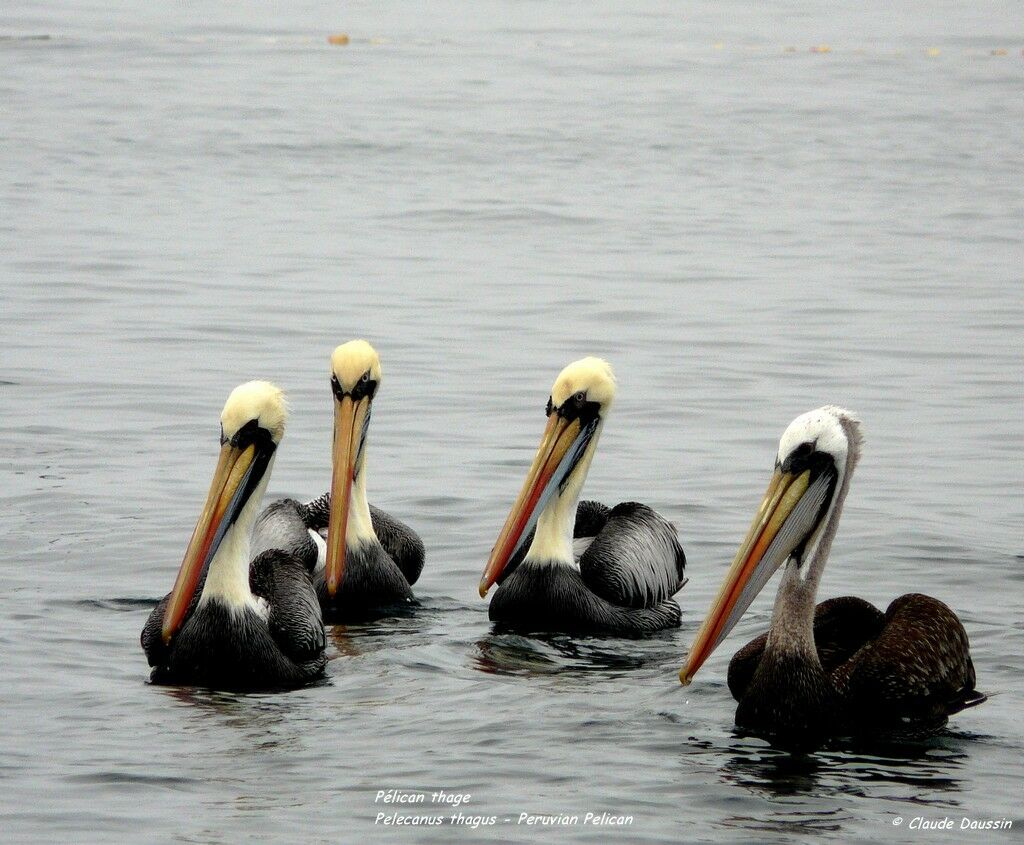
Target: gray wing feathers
(295,622)
(286,524)
(636,560)
(317,512)
(401,543)
(283,525)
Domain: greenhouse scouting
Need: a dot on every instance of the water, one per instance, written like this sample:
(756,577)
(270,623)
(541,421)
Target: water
(195,197)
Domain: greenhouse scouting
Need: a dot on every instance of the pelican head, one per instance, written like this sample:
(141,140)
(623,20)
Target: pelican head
(355,377)
(579,402)
(252,425)
(795,521)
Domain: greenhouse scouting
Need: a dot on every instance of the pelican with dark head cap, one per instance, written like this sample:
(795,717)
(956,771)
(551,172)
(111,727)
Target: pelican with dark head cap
(630,562)
(842,668)
(230,623)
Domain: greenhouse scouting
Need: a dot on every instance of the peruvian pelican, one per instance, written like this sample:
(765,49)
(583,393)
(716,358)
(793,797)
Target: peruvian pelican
(843,668)
(630,563)
(363,561)
(230,623)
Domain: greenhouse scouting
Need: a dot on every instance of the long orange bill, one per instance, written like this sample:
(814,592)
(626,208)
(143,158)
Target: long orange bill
(561,443)
(752,567)
(228,492)
(350,418)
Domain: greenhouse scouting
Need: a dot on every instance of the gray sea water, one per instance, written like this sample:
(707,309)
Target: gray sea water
(195,195)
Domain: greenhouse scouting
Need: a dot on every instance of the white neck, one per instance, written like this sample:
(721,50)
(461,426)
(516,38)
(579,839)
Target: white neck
(552,541)
(360,526)
(228,577)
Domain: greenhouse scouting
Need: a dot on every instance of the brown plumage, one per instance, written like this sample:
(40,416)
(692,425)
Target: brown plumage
(897,675)
(841,668)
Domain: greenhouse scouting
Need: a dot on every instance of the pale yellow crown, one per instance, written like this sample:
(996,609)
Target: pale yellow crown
(593,376)
(255,400)
(350,360)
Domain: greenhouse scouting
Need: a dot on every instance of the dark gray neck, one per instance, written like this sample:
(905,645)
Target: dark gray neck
(792,629)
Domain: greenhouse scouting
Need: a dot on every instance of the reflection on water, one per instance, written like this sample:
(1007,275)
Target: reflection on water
(514,655)
(929,767)
(745,232)
(814,793)
(791,822)
(407,624)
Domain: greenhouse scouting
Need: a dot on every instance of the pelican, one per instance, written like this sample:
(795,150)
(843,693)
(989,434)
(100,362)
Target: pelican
(630,563)
(363,561)
(229,623)
(843,668)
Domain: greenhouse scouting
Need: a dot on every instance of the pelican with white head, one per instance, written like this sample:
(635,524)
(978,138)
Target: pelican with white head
(355,378)
(580,400)
(371,559)
(841,668)
(632,560)
(212,627)
(252,425)
(795,524)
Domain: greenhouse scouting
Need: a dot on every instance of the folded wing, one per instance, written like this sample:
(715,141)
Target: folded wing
(918,670)
(841,627)
(635,561)
(294,617)
(402,544)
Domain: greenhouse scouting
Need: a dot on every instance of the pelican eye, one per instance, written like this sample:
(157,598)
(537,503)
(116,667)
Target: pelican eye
(251,432)
(549,408)
(336,388)
(804,450)
(796,461)
(807,456)
(578,407)
(365,386)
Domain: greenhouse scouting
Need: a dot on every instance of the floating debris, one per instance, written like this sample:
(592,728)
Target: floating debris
(934,51)
(339,39)
(999,51)
(821,48)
